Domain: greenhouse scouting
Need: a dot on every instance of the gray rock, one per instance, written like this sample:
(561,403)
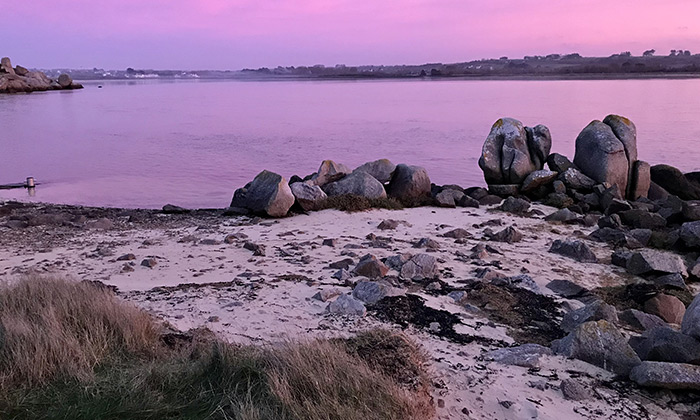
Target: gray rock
(658,262)
(65,80)
(563,215)
(522,281)
(558,162)
(559,187)
(342,275)
(691,320)
(370,292)
(526,355)
(381,169)
(672,180)
(267,194)
(449,198)
(409,183)
(310,197)
(509,235)
(595,311)
(640,180)
(667,375)
(690,234)
(358,183)
(573,249)
(467,201)
(515,205)
(673,281)
(599,343)
(149,262)
(511,151)
(641,235)
(347,305)
(576,180)
(640,321)
(574,390)
(504,190)
(663,344)
(602,156)
(615,237)
(172,209)
(328,172)
(370,267)
(567,289)
(395,262)
(537,179)
(458,233)
(642,219)
(620,258)
(420,267)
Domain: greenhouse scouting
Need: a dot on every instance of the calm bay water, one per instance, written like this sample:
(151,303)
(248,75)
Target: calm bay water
(191,143)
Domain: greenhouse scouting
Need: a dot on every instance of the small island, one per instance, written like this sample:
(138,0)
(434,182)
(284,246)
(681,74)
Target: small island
(21,80)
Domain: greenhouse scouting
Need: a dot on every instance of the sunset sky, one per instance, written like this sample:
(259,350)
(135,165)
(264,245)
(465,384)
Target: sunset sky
(232,34)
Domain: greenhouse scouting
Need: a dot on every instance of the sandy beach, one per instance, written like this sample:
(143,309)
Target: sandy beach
(200,269)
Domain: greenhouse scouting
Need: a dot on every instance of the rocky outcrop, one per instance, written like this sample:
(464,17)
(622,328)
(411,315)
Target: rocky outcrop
(19,79)
(268,194)
(606,151)
(512,151)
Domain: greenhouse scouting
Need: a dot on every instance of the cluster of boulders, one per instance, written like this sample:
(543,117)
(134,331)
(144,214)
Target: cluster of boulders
(269,194)
(19,79)
(651,217)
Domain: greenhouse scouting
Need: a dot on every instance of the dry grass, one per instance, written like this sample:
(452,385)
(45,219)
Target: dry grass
(52,327)
(73,350)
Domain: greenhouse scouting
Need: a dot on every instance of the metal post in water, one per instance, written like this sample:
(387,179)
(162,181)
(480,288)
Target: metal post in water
(30,182)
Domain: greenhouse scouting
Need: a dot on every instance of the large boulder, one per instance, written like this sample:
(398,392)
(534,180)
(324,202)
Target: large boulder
(602,156)
(358,183)
(599,343)
(664,344)
(381,169)
(512,151)
(409,184)
(268,194)
(690,234)
(640,180)
(310,197)
(672,180)
(328,172)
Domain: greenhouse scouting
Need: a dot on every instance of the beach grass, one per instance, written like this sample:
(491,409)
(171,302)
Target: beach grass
(73,350)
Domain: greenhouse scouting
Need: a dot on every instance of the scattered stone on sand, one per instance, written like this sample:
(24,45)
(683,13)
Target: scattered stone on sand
(509,235)
(327,294)
(574,390)
(258,249)
(370,292)
(126,257)
(149,262)
(369,266)
(420,267)
(573,249)
(526,355)
(347,305)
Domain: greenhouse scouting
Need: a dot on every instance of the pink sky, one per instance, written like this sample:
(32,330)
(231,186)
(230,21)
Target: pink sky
(232,34)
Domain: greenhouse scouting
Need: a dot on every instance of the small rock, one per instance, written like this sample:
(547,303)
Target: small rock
(537,179)
(653,261)
(574,390)
(526,355)
(515,205)
(563,215)
(209,242)
(126,257)
(509,235)
(421,266)
(327,294)
(389,224)
(330,242)
(258,249)
(347,305)
(149,262)
(458,233)
(172,209)
(343,264)
(592,312)
(370,267)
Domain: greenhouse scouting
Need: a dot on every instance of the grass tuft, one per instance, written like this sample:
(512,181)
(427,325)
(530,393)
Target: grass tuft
(72,350)
(354,203)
